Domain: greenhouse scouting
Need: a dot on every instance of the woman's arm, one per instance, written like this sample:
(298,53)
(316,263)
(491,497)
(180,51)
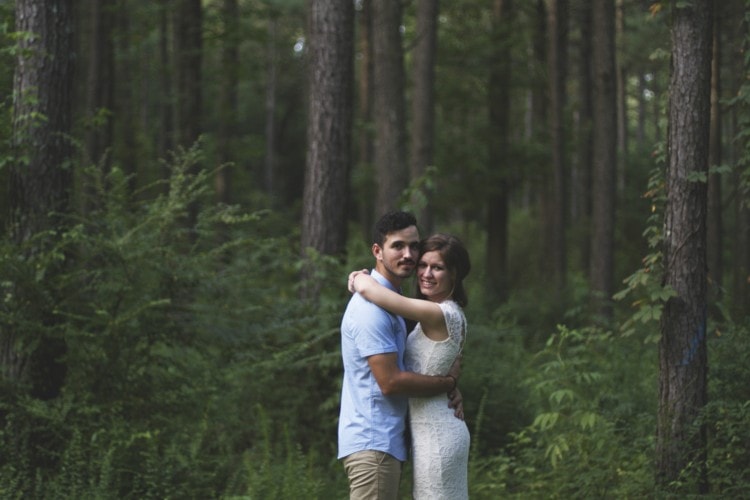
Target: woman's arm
(427,313)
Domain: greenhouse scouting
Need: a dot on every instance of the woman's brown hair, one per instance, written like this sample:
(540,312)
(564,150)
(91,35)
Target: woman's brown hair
(456,259)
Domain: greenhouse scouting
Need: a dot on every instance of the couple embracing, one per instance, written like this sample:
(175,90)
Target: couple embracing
(389,374)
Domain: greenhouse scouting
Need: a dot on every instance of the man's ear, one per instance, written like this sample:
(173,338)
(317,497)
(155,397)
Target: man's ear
(377,251)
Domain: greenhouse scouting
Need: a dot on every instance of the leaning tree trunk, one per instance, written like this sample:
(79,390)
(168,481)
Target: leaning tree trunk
(40,178)
(329,125)
(682,348)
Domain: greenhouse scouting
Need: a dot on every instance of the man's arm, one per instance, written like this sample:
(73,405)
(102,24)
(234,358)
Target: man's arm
(393,381)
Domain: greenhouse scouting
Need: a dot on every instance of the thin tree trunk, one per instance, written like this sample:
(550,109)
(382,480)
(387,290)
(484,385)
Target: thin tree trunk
(622,118)
(499,162)
(271,83)
(166,137)
(683,359)
(100,81)
(584,166)
(230,63)
(423,102)
(604,159)
(714,221)
(557,21)
(188,49)
(366,150)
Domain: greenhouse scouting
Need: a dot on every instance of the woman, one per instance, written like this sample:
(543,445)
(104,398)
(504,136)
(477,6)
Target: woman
(440,441)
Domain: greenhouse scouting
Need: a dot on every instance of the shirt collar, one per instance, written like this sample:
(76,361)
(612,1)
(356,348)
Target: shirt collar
(383,281)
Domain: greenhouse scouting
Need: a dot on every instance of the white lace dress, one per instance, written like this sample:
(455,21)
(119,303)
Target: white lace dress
(440,441)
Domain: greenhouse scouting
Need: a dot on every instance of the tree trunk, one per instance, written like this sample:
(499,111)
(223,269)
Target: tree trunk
(682,349)
(391,171)
(714,222)
(40,180)
(621,93)
(230,63)
(499,160)
(166,137)
(271,83)
(331,76)
(188,51)
(100,81)
(604,137)
(366,150)
(557,31)
(423,102)
(582,184)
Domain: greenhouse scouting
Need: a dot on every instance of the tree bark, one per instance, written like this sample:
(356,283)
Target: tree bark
(271,84)
(331,76)
(230,63)
(714,222)
(100,81)
(41,178)
(365,138)
(499,162)
(583,167)
(682,349)
(391,171)
(188,51)
(604,137)
(557,32)
(423,102)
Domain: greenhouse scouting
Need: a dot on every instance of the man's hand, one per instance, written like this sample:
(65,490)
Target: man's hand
(456,401)
(455,369)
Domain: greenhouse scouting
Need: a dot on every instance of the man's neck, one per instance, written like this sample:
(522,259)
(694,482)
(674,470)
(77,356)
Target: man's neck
(392,279)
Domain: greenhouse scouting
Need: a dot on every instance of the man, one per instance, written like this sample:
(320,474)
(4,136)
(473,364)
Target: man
(376,387)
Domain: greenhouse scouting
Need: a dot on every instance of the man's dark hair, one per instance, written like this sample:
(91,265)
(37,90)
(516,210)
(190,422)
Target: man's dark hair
(390,222)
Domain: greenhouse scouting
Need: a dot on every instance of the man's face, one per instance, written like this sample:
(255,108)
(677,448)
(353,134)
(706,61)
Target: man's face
(398,256)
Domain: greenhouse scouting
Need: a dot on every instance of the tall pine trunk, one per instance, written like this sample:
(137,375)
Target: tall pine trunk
(604,142)
(40,178)
(499,158)
(583,166)
(423,101)
(329,126)
(683,359)
(391,173)
(557,32)
(714,222)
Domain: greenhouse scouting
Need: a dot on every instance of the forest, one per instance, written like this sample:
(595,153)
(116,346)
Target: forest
(188,184)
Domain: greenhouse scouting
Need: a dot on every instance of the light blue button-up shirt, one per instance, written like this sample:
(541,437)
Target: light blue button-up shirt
(368,419)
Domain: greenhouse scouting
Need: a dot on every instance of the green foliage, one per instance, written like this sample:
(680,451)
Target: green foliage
(176,333)
(645,284)
(591,437)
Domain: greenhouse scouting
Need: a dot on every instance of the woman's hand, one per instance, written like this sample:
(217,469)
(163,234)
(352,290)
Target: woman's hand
(352,276)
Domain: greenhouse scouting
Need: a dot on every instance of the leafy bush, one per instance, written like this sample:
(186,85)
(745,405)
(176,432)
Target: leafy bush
(176,334)
(591,437)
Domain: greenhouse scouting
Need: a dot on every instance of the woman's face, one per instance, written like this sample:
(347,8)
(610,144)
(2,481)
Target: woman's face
(435,281)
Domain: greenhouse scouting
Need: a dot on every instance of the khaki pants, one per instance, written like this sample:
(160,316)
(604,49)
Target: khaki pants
(373,475)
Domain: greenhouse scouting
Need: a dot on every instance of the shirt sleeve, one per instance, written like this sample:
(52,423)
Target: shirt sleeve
(374,332)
